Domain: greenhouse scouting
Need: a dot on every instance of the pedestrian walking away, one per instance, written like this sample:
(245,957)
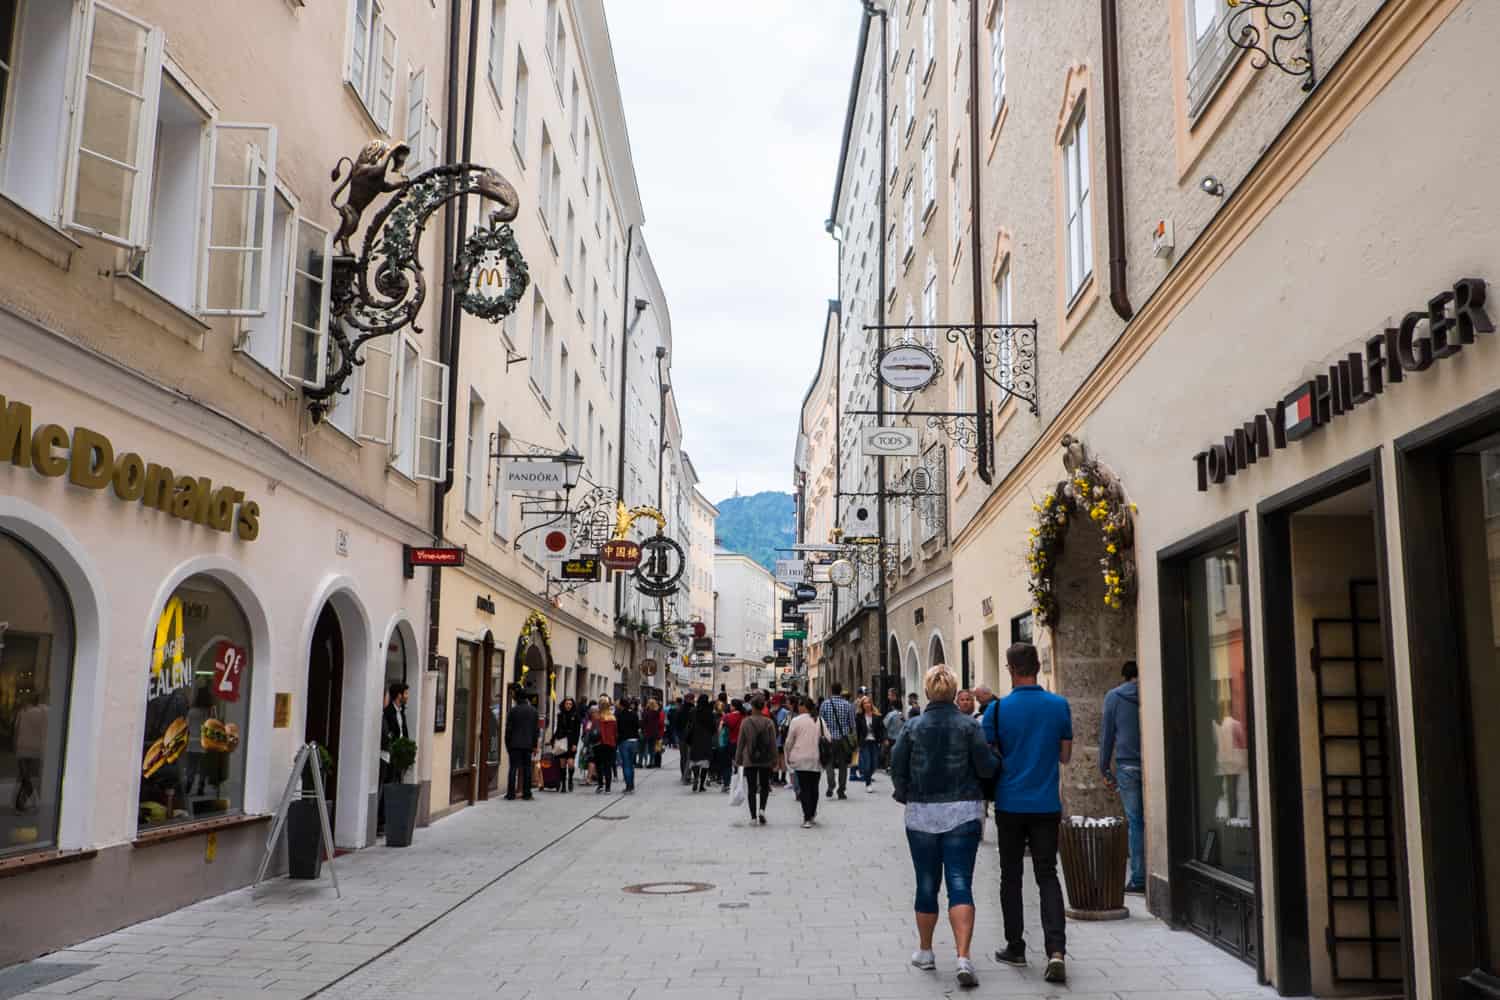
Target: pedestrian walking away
(756,756)
(941,770)
(604,751)
(700,741)
(681,726)
(1120,746)
(782,715)
(628,725)
(729,742)
(521,735)
(838,715)
(565,733)
(652,732)
(894,720)
(1034,731)
(869,728)
(804,739)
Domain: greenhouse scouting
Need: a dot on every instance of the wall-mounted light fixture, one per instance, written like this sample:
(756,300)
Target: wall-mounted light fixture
(1212,186)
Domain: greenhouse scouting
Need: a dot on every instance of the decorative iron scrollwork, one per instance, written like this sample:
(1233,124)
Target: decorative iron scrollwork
(382,288)
(1006,354)
(1286,40)
(961,428)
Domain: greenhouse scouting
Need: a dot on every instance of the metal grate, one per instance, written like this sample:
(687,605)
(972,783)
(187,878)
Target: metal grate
(1364,914)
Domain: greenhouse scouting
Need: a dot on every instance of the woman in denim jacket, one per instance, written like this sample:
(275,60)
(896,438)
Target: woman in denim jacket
(941,768)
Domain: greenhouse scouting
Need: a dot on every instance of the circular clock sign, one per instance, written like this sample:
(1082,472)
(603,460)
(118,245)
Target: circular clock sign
(908,367)
(841,572)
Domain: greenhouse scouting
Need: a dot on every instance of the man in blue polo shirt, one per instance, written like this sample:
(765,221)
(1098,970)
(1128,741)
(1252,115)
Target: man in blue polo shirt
(1032,729)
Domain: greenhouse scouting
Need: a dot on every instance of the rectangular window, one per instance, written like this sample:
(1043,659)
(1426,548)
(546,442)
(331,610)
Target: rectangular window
(34,126)
(1219,719)
(997,60)
(549,351)
(588,155)
(372,60)
(115,127)
(501,523)
(538,341)
(182,140)
(583,272)
(9,29)
(895,17)
(955,207)
(1076,184)
(929,45)
(474,465)
(911,97)
(929,165)
(573,423)
(432,421)
(236,280)
(497,48)
(559,50)
(564,383)
(573,114)
(549,159)
(908,224)
(422,132)
(307,339)
(264,337)
(404,437)
(961,404)
(569,238)
(518,113)
(1006,373)
(377,391)
(1210,52)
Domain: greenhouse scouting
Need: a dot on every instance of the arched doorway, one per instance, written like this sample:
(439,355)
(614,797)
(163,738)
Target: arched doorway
(325,693)
(935,653)
(912,671)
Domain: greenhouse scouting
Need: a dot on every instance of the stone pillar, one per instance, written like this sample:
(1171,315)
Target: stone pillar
(1089,644)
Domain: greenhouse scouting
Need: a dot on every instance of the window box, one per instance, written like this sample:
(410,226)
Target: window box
(134,294)
(36,234)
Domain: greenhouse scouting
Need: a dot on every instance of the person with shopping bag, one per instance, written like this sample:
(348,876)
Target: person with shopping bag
(808,747)
(756,755)
(565,732)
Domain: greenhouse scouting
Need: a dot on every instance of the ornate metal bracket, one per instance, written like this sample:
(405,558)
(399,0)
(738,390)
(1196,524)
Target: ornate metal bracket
(962,428)
(1288,27)
(594,516)
(382,288)
(1004,352)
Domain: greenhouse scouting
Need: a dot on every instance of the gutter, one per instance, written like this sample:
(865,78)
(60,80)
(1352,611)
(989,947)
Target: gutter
(1114,181)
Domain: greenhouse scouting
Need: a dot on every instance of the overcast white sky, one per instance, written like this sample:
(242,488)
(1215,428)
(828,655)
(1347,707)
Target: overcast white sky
(735,111)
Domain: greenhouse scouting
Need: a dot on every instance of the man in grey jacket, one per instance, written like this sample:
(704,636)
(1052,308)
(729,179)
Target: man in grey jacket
(1120,745)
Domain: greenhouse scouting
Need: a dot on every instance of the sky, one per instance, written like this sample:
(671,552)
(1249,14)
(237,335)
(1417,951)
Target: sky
(735,113)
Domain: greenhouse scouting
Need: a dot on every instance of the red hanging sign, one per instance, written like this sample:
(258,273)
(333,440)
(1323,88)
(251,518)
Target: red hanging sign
(229,670)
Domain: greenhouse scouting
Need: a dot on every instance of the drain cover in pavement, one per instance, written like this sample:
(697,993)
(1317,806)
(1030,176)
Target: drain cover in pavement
(612,817)
(760,892)
(760,873)
(20,979)
(734,906)
(668,888)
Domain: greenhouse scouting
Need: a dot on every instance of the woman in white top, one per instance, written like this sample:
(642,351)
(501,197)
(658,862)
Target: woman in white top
(804,758)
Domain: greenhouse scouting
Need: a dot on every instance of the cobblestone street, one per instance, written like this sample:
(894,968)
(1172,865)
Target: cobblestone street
(512,900)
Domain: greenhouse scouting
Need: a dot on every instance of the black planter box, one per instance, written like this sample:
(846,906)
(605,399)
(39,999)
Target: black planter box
(400,813)
(304,839)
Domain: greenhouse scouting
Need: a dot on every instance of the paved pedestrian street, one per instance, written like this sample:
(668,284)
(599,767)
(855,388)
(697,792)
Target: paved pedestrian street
(528,900)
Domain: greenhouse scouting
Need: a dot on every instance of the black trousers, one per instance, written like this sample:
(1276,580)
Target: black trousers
(1016,832)
(518,779)
(807,793)
(604,764)
(757,784)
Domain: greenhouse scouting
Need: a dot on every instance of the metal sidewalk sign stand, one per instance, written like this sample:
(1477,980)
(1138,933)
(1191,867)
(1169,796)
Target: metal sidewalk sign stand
(305,756)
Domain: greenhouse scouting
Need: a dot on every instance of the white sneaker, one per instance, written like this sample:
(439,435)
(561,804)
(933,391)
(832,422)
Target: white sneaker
(967,977)
(807,824)
(869,789)
(923,960)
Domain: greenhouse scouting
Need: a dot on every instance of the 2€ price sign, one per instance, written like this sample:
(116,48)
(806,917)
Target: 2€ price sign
(229,671)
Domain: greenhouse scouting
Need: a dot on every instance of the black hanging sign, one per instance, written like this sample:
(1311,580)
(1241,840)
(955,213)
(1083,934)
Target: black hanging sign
(583,568)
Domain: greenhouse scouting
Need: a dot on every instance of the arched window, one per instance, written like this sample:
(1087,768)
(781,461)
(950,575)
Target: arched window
(197,707)
(36,676)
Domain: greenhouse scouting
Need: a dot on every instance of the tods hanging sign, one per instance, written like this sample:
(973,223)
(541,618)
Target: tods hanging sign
(88,459)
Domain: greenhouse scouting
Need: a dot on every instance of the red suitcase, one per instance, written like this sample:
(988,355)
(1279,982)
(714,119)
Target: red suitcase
(551,772)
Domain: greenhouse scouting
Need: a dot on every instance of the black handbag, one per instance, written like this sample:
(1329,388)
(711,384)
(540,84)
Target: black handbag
(825,746)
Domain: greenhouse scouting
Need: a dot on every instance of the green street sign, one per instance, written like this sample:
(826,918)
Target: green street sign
(796,633)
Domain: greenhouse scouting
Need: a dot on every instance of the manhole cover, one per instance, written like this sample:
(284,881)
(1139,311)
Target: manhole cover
(760,892)
(668,888)
(734,906)
(612,817)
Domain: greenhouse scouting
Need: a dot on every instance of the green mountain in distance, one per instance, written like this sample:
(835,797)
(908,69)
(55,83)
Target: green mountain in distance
(757,526)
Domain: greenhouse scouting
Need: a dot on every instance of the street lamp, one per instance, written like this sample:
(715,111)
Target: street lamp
(572,464)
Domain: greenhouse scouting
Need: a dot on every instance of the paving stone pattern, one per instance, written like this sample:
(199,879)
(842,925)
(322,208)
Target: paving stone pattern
(525,901)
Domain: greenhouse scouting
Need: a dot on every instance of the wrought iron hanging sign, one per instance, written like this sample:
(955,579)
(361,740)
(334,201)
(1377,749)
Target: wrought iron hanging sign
(907,367)
(662,563)
(1287,29)
(381,288)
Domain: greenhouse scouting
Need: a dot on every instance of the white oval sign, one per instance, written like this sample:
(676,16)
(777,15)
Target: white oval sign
(889,441)
(841,572)
(908,367)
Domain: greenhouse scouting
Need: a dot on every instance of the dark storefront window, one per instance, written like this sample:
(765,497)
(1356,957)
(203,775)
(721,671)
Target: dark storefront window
(1223,834)
(197,707)
(463,721)
(1475,546)
(36,674)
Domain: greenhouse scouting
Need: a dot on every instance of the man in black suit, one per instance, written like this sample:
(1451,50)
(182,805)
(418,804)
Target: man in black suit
(392,727)
(521,735)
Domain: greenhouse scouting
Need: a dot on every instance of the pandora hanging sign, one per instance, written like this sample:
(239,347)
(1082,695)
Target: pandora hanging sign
(1421,339)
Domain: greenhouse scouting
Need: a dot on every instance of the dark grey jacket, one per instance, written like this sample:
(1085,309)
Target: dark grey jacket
(521,727)
(941,757)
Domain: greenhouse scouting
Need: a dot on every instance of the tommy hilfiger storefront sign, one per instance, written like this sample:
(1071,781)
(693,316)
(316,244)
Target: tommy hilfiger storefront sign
(1451,320)
(88,459)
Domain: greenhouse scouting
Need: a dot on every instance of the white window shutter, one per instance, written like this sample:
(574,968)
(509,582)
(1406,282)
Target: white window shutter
(416,119)
(385,78)
(359,48)
(109,172)
(377,392)
(432,420)
(237,220)
(307,320)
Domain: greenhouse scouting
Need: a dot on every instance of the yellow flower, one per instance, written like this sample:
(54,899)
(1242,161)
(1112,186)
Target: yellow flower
(1110,548)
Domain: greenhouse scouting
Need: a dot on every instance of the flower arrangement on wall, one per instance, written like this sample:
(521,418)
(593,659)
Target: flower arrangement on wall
(1091,492)
(534,629)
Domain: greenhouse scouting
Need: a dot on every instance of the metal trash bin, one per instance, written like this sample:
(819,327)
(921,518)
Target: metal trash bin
(1095,851)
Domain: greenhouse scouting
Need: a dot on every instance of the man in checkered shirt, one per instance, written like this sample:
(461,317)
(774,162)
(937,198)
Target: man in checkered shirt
(838,715)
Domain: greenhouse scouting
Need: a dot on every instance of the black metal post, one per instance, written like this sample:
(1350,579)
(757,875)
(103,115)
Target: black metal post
(885,134)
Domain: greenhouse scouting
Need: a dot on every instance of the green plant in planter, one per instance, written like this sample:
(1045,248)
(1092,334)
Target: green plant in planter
(325,769)
(403,755)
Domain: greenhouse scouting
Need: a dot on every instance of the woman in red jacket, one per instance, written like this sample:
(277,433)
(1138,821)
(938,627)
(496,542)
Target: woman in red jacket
(609,738)
(651,732)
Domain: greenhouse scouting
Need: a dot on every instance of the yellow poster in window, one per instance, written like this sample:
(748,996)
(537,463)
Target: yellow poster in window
(168,648)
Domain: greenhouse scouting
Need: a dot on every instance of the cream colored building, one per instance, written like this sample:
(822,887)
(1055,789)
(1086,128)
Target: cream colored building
(701,588)
(1221,264)
(180,540)
(815,482)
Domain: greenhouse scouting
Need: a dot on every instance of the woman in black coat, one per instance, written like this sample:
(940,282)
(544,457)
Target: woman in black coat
(701,737)
(565,731)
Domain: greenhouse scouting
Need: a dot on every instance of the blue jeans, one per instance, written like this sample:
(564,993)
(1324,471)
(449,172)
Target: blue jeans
(626,757)
(1128,779)
(944,857)
(869,760)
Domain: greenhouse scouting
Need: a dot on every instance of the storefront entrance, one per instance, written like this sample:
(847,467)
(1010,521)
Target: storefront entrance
(325,694)
(468,690)
(1450,489)
(494,701)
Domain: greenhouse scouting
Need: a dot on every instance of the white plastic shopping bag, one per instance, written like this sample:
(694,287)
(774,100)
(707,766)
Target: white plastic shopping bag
(737,789)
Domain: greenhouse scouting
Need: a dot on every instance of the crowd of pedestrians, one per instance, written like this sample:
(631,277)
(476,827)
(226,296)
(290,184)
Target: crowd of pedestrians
(966,753)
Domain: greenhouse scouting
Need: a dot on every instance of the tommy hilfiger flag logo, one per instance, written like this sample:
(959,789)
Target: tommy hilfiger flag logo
(1298,407)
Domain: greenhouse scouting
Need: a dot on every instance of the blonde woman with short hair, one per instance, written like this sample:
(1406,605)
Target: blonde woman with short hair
(604,750)
(941,769)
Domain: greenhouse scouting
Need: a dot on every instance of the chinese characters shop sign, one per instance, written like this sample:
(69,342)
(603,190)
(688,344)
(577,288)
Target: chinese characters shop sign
(1422,338)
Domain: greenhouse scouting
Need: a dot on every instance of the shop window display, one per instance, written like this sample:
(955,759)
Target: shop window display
(36,675)
(197,707)
(1223,834)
